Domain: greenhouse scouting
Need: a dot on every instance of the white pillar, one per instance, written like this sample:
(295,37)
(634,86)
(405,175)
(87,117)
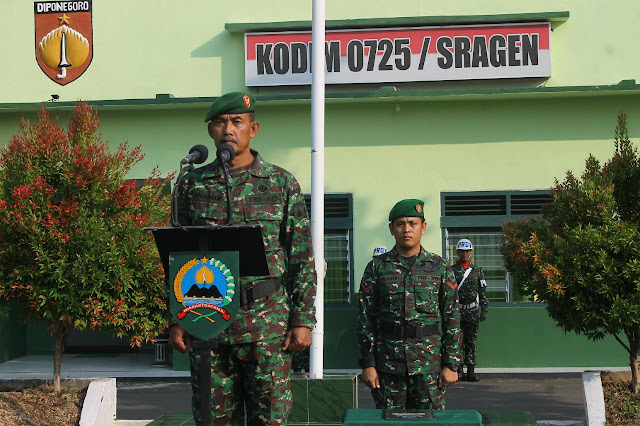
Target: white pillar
(316,362)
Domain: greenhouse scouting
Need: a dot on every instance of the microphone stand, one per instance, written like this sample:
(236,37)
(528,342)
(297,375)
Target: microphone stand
(198,154)
(225,168)
(225,155)
(177,188)
(204,347)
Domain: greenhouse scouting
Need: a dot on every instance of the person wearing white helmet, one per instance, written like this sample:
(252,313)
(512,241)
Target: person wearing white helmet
(379,250)
(473,305)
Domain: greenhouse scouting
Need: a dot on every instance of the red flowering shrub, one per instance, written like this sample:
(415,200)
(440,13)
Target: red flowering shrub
(582,257)
(73,250)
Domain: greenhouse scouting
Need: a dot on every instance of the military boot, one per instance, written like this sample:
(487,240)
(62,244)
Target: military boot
(471,375)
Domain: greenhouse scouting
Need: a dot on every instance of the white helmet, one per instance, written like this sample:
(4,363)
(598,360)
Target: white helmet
(379,250)
(464,244)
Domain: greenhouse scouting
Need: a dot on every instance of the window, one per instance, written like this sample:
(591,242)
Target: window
(338,247)
(337,288)
(478,216)
(486,254)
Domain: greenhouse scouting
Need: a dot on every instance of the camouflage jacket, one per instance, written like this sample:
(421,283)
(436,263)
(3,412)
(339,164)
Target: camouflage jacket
(269,196)
(422,294)
(474,289)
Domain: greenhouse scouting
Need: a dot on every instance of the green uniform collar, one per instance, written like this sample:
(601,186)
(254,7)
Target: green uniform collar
(394,257)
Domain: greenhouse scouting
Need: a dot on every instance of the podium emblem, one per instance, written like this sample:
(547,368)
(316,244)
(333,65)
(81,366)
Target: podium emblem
(203,288)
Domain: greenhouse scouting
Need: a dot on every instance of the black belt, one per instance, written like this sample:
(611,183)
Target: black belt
(397,331)
(260,290)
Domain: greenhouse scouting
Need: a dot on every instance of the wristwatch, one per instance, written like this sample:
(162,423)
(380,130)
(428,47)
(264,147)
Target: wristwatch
(452,367)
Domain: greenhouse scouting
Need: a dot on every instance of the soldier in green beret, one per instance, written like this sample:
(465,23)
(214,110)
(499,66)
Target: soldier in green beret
(251,365)
(409,322)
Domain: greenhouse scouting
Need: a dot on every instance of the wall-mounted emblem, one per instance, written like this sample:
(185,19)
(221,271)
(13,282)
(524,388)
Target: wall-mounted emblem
(64,38)
(203,289)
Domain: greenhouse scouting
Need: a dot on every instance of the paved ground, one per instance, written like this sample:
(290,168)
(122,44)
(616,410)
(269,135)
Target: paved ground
(146,392)
(548,396)
(145,399)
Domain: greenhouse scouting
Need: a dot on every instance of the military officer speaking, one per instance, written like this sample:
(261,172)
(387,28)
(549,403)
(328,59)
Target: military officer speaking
(409,323)
(250,367)
(473,301)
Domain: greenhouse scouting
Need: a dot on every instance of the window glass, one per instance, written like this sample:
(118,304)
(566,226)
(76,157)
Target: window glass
(337,288)
(486,255)
(338,246)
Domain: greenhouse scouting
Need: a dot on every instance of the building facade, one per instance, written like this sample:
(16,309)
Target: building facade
(478,121)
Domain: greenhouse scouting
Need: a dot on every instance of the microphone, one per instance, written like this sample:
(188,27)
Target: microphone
(197,155)
(225,153)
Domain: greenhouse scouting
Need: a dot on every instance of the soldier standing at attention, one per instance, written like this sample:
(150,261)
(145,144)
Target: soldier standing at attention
(409,322)
(251,365)
(473,304)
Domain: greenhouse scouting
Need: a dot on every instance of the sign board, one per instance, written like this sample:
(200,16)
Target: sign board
(435,53)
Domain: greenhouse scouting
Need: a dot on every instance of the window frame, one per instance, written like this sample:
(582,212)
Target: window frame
(507,206)
(342,223)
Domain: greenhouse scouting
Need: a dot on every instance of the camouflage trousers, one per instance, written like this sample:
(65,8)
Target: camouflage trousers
(255,375)
(300,361)
(413,392)
(469,337)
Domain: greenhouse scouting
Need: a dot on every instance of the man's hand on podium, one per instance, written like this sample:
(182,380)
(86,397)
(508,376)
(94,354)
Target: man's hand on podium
(298,339)
(179,339)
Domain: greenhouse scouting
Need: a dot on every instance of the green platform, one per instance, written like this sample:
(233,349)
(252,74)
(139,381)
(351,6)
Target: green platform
(334,399)
(489,418)
(315,402)
(371,417)
(322,402)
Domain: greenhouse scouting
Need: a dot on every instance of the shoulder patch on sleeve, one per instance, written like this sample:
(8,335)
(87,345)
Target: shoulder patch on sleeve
(300,210)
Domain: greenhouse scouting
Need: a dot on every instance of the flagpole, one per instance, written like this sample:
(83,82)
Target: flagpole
(316,361)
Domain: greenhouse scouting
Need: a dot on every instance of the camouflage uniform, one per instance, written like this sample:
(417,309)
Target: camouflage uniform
(396,292)
(249,364)
(473,298)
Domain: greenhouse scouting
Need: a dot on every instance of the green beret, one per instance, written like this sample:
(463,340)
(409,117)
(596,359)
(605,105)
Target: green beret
(231,103)
(407,208)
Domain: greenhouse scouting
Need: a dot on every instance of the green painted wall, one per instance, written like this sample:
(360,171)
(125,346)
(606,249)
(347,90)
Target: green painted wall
(382,155)
(14,341)
(147,47)
(379,149)
(512,337)
(40,341)
(518,336)
(525,336)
